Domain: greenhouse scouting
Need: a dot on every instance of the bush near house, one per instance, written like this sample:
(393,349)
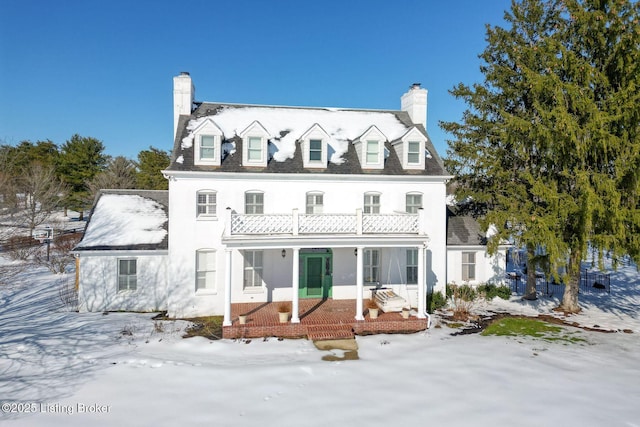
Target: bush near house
(435,301)
(490,291)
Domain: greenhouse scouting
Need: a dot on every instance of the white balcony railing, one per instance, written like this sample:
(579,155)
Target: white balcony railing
(296,224)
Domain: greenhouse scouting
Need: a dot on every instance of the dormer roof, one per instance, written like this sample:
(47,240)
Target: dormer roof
(285,127)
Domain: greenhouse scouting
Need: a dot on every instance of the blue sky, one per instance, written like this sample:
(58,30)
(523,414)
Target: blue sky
(105,68)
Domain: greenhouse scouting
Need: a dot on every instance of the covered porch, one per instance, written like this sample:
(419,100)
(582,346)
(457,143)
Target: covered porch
(318,319)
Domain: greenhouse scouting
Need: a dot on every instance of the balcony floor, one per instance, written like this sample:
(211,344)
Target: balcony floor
(319,319)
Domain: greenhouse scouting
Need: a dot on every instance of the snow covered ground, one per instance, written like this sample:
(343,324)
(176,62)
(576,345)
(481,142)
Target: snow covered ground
(58,367)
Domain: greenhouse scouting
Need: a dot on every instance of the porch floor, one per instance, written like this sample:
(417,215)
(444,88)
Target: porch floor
(319,319)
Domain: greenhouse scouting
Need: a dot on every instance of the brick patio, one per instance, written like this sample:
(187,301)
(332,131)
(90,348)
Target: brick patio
(319,319)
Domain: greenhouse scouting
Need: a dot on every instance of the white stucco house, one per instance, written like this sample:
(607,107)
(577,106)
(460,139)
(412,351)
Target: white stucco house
(271,203)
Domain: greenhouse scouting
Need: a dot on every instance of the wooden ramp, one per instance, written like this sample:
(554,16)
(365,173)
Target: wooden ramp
(329,332)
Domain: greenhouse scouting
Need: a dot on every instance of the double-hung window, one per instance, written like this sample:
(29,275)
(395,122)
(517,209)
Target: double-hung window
(371,266)
(254,203)
(205,269)
(207,147)
(414,202)
(412,266)
(314,203)
(373,151)
(413,152)
(127,275)
(372,203)
(468,266)
(253,265)
(315,150)
(254,149)
(206,203)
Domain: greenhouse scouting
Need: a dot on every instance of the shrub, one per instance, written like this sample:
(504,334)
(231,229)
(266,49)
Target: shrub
(490,291)
(435,301)
(21,247)
(464,292)
(462,298)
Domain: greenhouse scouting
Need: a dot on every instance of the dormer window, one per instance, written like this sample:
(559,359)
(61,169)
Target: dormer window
(207,147)
(373,152)
(254,147)
(314,145)
(413,152)
(315,150)
(411,149)
(370,148)
(207,141)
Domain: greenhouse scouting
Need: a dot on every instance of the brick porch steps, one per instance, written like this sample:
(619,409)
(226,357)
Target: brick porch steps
(329,332)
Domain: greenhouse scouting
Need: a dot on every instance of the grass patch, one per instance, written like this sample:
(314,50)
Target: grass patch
(522,326)
(209,327)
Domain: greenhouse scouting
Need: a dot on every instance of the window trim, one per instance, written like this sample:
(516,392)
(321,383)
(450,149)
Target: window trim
(366,205)
(371,270)
(202,147)
(315,206)
(214,287)
(412,264)
(250,150)
(207,204)
(128,275)
(410,153)
(467,265)
(367,152)
(246,205)
(256,270)
(413,205)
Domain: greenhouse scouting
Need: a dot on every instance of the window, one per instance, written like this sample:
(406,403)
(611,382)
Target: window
(371,266)
(205,269)
(254,149)
(371,203)
(314,203)
(207,147)
(468,266)
(252,269)
(414,202)
(412,266)
(413,152)
(206,203)
(254,203)
(127,275)
(372,151)
(315,150)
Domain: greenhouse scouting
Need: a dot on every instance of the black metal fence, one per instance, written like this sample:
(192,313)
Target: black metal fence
(590,281)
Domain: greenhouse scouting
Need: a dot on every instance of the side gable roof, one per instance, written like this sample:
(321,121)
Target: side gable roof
(127,220)
(463,230)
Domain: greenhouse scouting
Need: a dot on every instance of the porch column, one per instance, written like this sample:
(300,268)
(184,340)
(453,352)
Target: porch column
(421,283)
(295,280)
(227,289)
(359,283)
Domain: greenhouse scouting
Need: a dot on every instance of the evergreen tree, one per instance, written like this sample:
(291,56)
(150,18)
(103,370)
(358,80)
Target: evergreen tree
(548,150)
(81,159)
(150,164)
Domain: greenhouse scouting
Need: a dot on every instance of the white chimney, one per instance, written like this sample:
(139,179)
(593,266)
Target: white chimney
(183,97)
(414,102)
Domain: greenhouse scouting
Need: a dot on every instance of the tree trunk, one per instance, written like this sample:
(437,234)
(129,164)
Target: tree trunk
(570,297)
(530,289)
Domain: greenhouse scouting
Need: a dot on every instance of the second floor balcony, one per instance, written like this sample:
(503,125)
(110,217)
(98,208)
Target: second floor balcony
(296,224)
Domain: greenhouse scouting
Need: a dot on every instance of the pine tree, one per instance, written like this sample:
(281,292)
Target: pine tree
(81,158)
(150,164)
(548,150)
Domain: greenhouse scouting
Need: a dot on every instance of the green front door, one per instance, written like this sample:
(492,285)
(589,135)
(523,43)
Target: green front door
(315,273)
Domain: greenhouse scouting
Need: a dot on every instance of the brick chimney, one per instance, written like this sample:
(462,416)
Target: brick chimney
(183,97)
(414,102)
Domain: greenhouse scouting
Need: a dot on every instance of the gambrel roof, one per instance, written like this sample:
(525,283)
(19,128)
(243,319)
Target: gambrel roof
(286,126)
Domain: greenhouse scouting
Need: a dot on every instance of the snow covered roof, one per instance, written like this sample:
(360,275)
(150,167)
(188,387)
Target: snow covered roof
(286,125)
(127,220)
